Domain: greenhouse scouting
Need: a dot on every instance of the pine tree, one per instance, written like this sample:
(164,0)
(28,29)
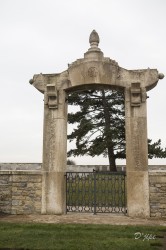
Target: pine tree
(155,150)
(101,126)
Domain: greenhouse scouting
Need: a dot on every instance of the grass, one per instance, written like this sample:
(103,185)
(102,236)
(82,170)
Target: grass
(76,236)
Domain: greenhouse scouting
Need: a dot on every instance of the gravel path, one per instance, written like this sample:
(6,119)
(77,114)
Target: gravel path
(83,219)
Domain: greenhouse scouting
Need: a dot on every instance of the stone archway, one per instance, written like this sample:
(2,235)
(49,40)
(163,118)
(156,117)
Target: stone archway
(95,69)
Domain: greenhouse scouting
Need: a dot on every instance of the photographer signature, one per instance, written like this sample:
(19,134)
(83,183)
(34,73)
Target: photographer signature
(139,235)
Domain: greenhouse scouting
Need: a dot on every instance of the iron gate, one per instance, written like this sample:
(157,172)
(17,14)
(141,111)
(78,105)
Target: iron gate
(95,192)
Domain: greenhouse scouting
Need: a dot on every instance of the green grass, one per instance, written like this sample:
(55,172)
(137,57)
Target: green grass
(76,236)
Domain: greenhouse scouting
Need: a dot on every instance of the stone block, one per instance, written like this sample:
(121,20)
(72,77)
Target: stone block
(163,189)
(158,214)
(163,206)
(153,214)
(35,178)
(4,182)
(14,211)
(14,189)
(16,194)
(158,179)
(38,193)
(30,184)
(154,189)
(15,202)
(163,200)
(158,185)
(21,184)
(20,178)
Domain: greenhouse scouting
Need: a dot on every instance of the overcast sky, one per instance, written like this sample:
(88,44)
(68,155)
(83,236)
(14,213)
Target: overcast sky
(44,36)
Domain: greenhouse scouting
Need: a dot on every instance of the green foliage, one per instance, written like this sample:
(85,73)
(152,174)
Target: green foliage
(70,162)
(100,123)
(155,150)
(101,126)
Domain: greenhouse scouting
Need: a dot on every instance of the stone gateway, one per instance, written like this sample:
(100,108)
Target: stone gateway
(95,70)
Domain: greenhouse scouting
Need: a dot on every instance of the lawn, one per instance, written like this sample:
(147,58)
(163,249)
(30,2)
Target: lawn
(78,236)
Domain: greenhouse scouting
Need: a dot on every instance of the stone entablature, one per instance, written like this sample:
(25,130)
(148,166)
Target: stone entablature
(20,192)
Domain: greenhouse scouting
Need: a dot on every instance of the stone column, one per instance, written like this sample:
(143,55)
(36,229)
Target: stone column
(136,152)
(54,151)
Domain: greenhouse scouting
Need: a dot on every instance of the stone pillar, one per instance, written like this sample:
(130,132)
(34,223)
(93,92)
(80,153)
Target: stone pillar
(54,151)
(136,152)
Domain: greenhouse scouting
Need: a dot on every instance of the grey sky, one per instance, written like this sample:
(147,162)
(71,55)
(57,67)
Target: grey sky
(44,36)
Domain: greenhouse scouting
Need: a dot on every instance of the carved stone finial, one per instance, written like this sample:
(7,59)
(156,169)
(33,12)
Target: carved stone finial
(160,75)
(31,81)
(94,39)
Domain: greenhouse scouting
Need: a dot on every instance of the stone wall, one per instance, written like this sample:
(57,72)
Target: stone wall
(5,192)
(20,192)
(157,185)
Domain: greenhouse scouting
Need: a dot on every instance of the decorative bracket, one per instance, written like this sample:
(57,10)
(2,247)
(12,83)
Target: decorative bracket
(51,96)
(138,94)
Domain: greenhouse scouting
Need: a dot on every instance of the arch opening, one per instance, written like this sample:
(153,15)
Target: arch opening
(98,116)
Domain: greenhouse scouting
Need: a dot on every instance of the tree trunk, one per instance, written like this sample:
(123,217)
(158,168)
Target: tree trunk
(111,157)
(112,160)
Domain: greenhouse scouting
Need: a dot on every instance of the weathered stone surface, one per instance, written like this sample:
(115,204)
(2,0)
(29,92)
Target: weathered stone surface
(5,193)
(95,70)
(17,197)
(53,199)
(20,166)
(138,190)
(157,186)
(158,179)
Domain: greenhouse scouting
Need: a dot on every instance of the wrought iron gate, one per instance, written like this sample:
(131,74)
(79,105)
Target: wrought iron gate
(95,192)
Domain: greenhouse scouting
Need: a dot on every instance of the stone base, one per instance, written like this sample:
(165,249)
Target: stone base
(53,193)
(138,194)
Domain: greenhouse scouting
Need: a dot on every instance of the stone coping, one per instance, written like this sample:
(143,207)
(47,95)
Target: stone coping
(39,172)
(157,172)
(17,172)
